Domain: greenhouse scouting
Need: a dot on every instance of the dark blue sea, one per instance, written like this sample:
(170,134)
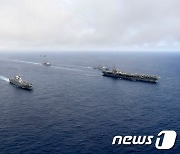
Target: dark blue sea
(74,109)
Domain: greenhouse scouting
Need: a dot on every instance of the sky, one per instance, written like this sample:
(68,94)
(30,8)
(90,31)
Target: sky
(87,25)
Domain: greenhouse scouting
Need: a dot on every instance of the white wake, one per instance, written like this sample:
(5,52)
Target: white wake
(28,62)
(60,67)
(22,61)
(76,66)
(4,78)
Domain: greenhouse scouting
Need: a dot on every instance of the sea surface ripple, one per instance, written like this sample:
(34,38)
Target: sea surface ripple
(73,109)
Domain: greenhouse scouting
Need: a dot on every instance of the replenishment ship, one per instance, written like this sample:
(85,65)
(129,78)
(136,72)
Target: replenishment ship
(100,67)
(115,73)
(45,62)
(17,81)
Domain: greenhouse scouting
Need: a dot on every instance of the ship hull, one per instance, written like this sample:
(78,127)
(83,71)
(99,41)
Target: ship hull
(130,77)
(23,86)
(46,64)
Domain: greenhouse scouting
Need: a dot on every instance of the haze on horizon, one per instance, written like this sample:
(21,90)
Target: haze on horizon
(62,25)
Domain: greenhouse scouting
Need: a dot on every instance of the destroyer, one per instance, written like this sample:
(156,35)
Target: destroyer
(17,81)
(115,73)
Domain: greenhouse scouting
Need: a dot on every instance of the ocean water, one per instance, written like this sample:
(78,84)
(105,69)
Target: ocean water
(74,109)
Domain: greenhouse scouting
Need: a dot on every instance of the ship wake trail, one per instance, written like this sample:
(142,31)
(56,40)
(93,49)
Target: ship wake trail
(76,66)
(4,78)
(21,61)
(59,67)
(29,62)
(69,69)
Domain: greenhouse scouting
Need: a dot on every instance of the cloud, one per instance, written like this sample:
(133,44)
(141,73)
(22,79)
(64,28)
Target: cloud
(90,24)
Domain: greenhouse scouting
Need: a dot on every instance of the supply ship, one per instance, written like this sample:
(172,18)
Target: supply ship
(45,61)
(100,67)
(115,73)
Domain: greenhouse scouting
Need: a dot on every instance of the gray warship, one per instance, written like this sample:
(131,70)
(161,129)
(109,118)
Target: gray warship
(17,81)
(115,73)
(45,62)
(101,68)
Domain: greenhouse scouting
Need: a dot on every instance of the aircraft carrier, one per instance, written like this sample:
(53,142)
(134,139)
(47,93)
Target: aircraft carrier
(17,81)
(115,73)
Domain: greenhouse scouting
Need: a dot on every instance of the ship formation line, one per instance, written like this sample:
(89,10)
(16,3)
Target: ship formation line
(113,73)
